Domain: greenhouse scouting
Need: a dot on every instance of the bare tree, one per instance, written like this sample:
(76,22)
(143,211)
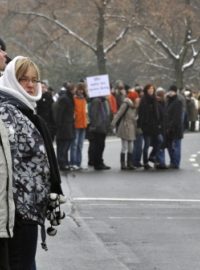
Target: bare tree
(99,49)
(133,39)
(174,35)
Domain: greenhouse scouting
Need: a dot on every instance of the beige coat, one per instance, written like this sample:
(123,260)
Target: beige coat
(128,123)
(7,209)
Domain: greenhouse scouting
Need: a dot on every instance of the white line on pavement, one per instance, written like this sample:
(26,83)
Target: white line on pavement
(134,199)
(195,165)
(153,217)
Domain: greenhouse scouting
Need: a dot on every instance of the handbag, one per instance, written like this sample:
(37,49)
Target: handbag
(119,120)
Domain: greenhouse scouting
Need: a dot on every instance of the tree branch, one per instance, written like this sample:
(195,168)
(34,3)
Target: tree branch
(62,26)
(190,63)
(161,43)
(117,40)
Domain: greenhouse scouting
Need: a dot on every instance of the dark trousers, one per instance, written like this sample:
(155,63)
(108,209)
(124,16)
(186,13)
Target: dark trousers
(90,137)
(22,247)
(147,142)
(174,149)
(63,147)
(137,150)
(4,264)
(91,152)
(98,147)
(156,143)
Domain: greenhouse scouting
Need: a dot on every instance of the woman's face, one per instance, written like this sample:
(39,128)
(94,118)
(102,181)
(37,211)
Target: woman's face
(2,59)
(150,91)
(29,81)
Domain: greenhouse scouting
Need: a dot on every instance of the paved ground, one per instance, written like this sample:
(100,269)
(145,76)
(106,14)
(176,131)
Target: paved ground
(75,247)
(108,227)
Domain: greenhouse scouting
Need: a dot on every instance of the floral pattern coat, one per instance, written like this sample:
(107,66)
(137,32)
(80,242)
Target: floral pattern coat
(31,171)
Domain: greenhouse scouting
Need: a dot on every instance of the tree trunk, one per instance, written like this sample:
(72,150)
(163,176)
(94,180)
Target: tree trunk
(101,62)
(179,75)
(100,54)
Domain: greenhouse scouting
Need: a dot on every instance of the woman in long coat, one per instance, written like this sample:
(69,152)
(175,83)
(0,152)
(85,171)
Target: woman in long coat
(127,128)
(150,123)
(65,127)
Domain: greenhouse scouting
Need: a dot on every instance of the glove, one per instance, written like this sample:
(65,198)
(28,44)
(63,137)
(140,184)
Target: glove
(54,213)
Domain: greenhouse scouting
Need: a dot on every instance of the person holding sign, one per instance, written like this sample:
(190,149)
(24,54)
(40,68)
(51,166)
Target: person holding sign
(99,126)
(99,116)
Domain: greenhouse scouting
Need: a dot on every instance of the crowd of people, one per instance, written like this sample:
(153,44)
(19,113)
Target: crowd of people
(149,121)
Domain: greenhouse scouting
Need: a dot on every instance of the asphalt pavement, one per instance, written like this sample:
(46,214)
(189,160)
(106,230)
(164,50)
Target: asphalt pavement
(75,246)
(129,220)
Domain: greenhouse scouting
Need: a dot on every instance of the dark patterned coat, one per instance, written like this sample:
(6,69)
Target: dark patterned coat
(31,169)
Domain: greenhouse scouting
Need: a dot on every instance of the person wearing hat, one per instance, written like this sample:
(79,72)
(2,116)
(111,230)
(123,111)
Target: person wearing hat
(126,117)
(174,126)
(7,208)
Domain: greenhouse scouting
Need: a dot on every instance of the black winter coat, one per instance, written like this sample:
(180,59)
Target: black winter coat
(65,129)
(99,114)
(149,117)
(174,118)
(44,109)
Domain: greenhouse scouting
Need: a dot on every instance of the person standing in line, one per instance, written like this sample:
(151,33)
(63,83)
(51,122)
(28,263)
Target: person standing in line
(65,126)
(113,105)
(90,137)
(120,92)
(34,165)
(80,115)
(160,158)
(192,110)
(149,121)
(174,126)
(45,109)
(99,114)
(138,142)
(127,129)
(7,208)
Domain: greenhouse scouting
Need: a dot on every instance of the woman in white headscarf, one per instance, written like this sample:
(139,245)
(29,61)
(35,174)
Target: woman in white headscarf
(35,171)
(7,209)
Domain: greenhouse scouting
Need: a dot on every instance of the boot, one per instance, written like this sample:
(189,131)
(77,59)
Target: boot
(129,162)
(122,161)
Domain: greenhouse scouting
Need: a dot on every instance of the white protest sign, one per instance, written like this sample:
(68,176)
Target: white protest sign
(98,86)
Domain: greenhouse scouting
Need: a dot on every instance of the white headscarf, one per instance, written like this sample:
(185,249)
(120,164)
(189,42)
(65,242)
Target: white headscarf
(10,85)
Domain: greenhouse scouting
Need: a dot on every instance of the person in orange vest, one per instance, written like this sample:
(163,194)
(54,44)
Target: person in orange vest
(80,115)
(112,100)
(112,103)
